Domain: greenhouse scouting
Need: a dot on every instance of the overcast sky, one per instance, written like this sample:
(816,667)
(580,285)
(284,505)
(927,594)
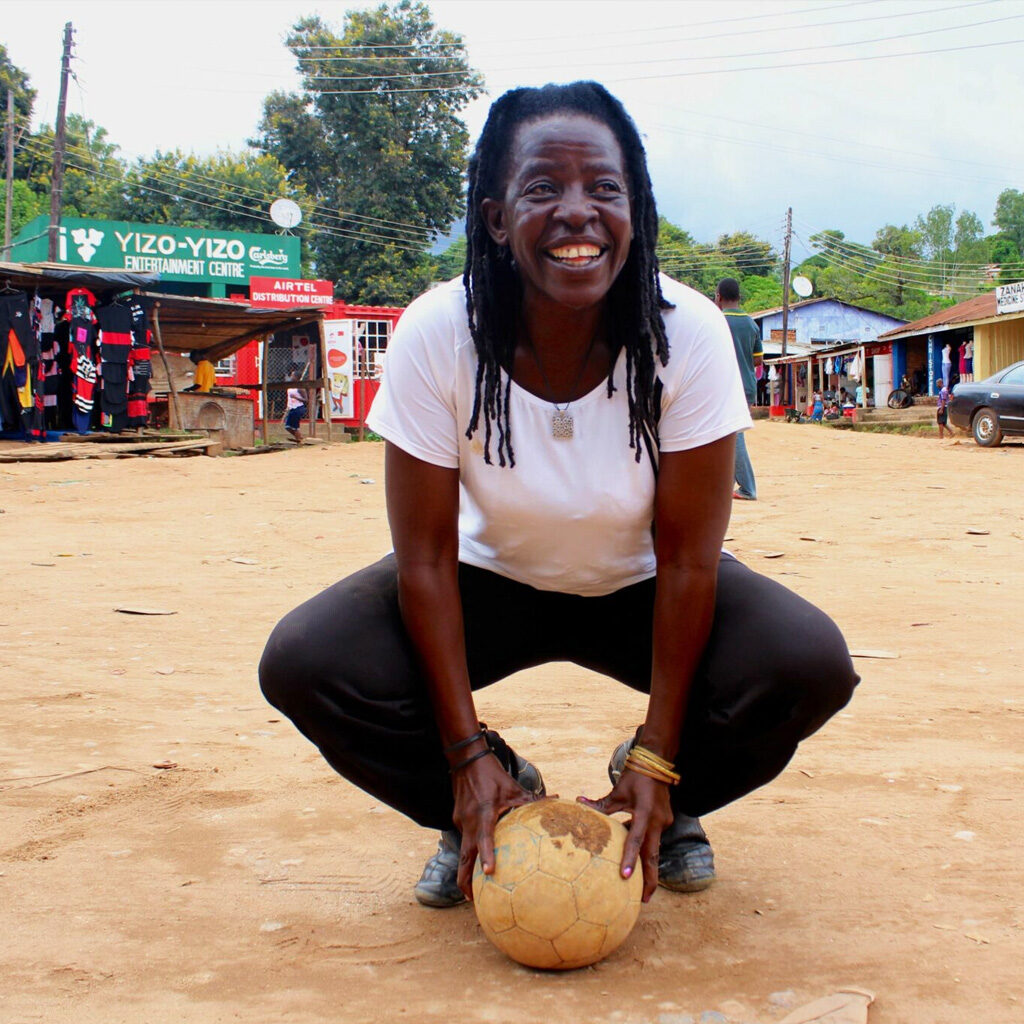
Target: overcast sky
(835,108)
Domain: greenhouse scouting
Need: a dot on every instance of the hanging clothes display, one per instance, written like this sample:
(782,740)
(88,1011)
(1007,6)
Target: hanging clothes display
(78,311)
(115,339)
(140,366)
(19,357)
(49,358)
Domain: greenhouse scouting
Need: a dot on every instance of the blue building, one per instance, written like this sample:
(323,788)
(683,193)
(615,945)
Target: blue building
(817,326)
(815,322)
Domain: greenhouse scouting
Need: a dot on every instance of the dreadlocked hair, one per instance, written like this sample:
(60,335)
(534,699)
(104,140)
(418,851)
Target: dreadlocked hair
(493,289)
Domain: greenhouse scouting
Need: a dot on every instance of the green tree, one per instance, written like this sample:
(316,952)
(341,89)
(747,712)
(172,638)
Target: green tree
(752,255)
(375,138)
(1004,252)
(1009,215)
(226,191)
(26,204)
(757,293)
(13,78)
(452,261)
(970,254)
(936,228)
(898,245)
(740,255)
(92,168)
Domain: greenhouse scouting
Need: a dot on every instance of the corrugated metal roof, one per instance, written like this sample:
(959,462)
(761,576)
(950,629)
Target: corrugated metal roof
(981,307)
(810,302)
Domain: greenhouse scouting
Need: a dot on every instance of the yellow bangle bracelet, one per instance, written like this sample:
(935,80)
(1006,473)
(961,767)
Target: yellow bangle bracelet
(663,779)
(652,772)
(652,757)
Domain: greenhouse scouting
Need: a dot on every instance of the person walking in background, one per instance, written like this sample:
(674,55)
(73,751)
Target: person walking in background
(941,415)
(746,339)
(296,409)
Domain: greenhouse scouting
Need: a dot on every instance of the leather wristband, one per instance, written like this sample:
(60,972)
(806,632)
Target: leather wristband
(469,760)
(467,741)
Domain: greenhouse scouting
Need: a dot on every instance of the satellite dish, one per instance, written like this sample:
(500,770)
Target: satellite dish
(801,285)
(285,213)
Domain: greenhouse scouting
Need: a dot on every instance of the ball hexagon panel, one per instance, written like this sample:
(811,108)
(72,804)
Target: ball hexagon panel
(561,859)
(515,855)
(621,926)
(580,944)
(543,905)
(493,905)
(527,949)
(602,893)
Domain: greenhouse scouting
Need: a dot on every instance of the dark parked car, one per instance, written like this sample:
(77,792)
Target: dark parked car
(991,407)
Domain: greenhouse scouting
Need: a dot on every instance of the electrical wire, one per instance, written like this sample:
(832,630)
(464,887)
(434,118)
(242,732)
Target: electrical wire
(882,270)
(237,209)
(381,224)
(621,32)
(660,39)
(650,61)
(821,63)
(816,136)
(856,247)
(714,71)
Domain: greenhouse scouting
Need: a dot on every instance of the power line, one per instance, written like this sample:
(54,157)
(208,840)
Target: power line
(381,224)
(237,209)
(660,37)
(717,57)
(816,136)
(618,33)
(857,247)
(875,266)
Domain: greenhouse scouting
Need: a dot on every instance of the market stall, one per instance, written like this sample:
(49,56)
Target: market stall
(87,350)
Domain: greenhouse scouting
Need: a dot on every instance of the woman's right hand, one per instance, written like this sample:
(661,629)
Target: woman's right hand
(484,791)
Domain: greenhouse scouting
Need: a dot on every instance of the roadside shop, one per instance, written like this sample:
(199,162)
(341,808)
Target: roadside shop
(988,329)
(99,349)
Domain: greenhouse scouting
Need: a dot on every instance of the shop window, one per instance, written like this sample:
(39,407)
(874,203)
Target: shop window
(225,367)
(371,342)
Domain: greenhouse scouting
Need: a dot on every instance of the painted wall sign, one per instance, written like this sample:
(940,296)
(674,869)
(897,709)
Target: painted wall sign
(281,292)
(176,254)
(1010,297)
(338,335)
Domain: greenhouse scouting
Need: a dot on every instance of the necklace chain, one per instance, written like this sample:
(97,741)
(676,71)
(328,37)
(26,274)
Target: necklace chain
(561,418)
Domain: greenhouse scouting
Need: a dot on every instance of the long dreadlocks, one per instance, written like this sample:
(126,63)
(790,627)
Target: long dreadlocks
(493,290)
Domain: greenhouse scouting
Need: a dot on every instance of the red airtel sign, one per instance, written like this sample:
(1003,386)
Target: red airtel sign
(282,292)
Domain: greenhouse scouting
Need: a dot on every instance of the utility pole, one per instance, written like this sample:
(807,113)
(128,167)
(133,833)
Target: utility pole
(9,194)
(785,297)
(57,183)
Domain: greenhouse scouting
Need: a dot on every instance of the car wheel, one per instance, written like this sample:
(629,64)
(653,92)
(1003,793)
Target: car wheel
(986,428)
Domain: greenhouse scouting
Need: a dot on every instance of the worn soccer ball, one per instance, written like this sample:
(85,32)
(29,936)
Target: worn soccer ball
(557,899)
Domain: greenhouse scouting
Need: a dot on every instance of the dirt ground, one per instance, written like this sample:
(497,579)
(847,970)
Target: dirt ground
(250,884)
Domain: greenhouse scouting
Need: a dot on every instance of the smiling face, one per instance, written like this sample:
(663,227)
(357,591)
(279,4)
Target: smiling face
(565,213)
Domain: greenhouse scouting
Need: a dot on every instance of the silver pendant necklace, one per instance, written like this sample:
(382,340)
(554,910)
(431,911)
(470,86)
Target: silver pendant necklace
(561,418)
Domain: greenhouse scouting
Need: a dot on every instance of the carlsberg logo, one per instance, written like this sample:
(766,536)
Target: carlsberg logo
(267,258)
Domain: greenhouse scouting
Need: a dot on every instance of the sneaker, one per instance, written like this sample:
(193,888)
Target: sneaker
(686,862)
(438,885)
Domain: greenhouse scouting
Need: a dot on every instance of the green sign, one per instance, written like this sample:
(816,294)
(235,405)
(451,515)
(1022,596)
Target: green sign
(176,254)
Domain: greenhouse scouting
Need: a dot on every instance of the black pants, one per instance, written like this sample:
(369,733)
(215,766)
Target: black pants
(342,668)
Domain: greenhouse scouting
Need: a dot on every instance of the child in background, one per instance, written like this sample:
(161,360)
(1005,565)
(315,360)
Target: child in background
(296,409)
(941,416)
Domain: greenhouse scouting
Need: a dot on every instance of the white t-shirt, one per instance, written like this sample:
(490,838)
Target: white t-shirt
(571,515)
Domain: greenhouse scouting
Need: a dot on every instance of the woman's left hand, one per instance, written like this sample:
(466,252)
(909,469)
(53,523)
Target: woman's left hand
(647,801)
